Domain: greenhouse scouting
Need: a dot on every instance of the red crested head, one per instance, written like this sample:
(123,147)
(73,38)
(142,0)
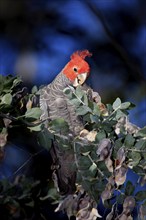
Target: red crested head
(77,66)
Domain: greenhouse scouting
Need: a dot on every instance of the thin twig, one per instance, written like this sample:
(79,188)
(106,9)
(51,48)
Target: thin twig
(102,174)
(27,161)
(120,50)
(76,95)
(135,150)
(29,124)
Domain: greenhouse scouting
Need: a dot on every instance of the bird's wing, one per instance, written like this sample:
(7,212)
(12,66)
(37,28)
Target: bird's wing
(64,172)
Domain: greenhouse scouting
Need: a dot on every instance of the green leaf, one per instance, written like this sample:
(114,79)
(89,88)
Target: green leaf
(117,104)
(84,148)
(86,118)
(52,194)
(79,177)
(120,199)
(34,89)
(101,166)
(6,99)
(99,186)
(135,156)
(93,168)
(96,109)
(16,82)
(141,144)
(94,119)
(120,114)
(107,127)
(118,144)
(86,185)
(129,188)
(125,105)
(33,113)
(30,204)
(59,125)
(85,99)
(86,153)
(100,135)
(75,102)
(7,91)
(8,82)
(129,140)
(79,92)
(142,132)
(109,108)
(45,139)
(36,128)
(83,162)
(67,91)
(82,110)
(140,196)
(131,106)
(139,170)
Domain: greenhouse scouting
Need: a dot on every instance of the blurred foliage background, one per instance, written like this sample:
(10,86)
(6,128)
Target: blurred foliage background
(37,38)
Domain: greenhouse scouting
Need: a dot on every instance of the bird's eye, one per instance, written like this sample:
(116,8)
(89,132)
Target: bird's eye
(75,69)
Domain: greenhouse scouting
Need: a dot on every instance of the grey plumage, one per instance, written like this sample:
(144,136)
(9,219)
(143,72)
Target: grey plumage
(54,104)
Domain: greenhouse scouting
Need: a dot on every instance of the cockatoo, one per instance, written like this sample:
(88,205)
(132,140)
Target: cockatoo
(55,104)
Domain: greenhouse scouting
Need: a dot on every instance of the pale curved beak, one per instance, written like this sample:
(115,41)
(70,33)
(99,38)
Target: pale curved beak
(80,79)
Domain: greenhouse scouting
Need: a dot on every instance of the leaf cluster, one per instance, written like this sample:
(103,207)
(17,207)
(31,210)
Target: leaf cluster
(110,146)
(18,106)
(18,198)
(118,146)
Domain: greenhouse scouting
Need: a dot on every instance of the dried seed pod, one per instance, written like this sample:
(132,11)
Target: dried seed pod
(120,175)
(104,147)
(129,203)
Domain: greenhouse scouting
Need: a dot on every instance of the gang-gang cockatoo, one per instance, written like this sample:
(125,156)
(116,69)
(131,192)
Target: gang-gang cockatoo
(54,104)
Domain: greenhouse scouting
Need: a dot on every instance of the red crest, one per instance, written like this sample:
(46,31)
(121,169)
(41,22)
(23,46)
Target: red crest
(82,54)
